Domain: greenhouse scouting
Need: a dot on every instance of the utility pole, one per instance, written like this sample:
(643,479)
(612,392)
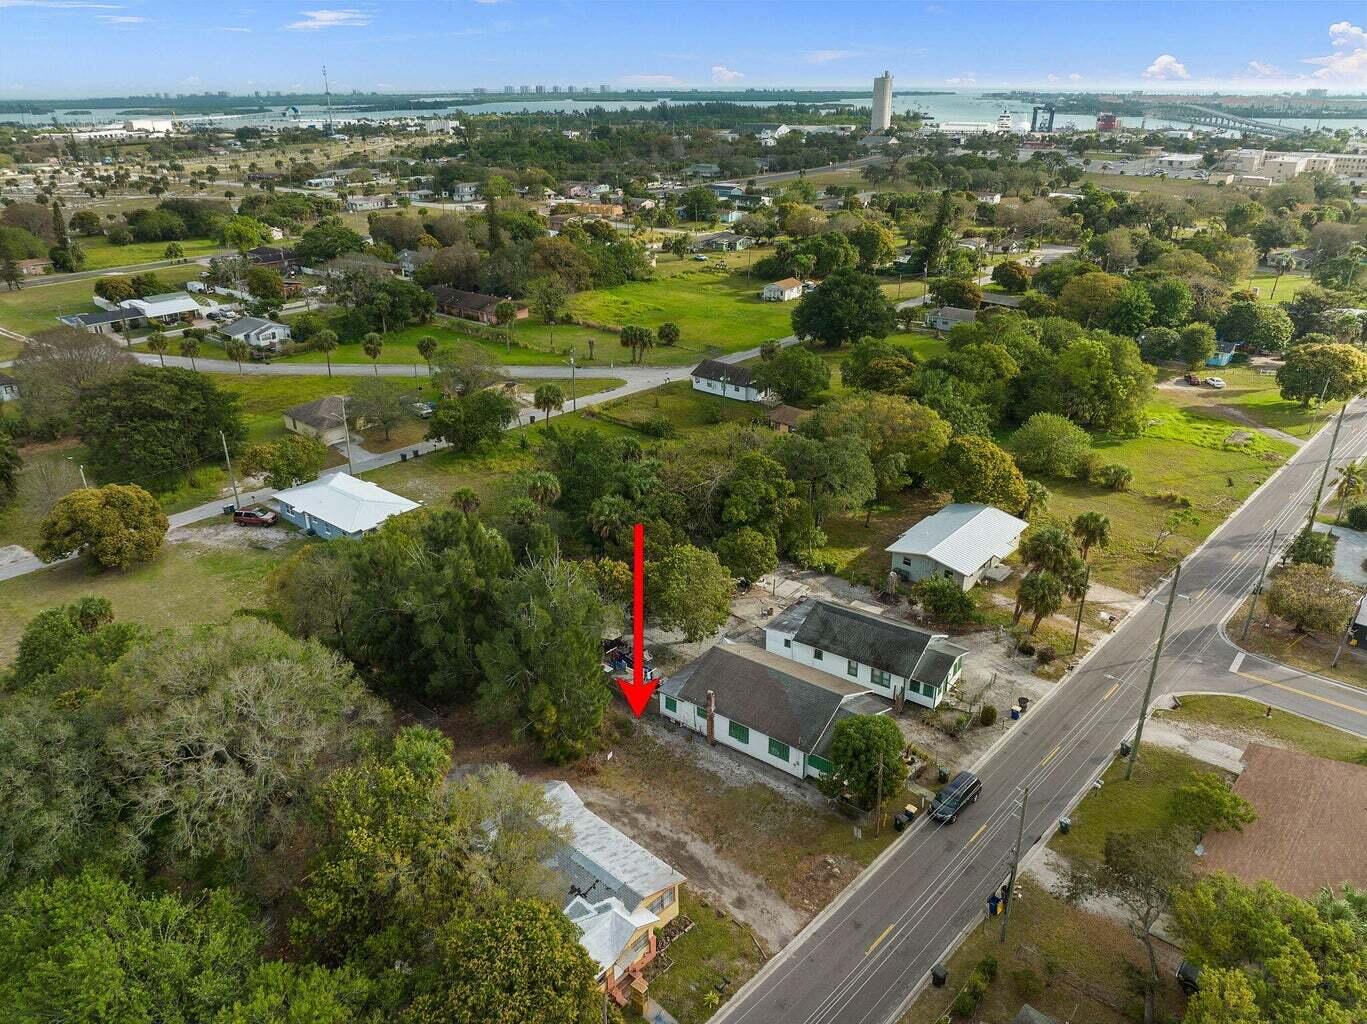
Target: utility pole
(1271,546)
(878,805)
(574,391)
(1324,473)
(1015,864)
(346,430)
(1086,582)
(1153,671)
(232,478)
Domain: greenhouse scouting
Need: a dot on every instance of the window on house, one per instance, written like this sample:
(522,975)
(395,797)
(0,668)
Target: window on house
(700,711)
(906,560)
(818,654)
(778,750)
(671,704)
(851,667)
(819,763)
(787,641)
(880,678)
(738,732)
(665,899)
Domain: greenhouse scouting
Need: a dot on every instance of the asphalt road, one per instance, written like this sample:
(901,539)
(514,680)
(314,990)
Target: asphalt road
(864,959)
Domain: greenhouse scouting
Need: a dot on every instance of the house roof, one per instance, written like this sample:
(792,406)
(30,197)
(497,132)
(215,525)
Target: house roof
(168,304)
(790,702)
(6,380)
(786,283)
(954,313)
(320,414)
(474,301)
(606,927)
(962,537)
(103,316)
(345,502)
(269,254)
(599,859)
(246,325)
(727,373)
(787,415)
(875,640)
(1001,299)
(1027,1014)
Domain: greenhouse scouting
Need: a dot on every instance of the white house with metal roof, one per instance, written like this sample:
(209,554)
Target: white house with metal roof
(258,332)
(339,505)
(962,542)
(895,660)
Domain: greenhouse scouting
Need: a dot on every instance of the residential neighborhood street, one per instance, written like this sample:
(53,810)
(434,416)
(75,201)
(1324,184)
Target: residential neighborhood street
(864,959)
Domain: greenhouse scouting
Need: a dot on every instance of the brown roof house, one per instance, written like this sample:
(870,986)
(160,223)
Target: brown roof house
(785,418)
(323,420)
(470,305)
(1311,830)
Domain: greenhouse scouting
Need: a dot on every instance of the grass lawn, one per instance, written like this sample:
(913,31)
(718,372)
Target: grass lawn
(716,947)
(47,473)
(36,308)
(100,255)
(1311,652)
(1250,395)
(1062,960)
(717,310)
(1122,805)
(187,584)
(677,403)
(1287,287)
(1248,718)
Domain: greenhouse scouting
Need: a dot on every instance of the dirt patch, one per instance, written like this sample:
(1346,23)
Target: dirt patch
(229,537)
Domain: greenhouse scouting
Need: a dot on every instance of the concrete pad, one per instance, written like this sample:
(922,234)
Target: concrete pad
(1220,755)
(1348,553)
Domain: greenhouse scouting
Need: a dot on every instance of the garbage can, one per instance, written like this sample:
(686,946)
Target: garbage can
(943,775)
(403,456)
(229,509)
(939,975)
(1065,825)
(1124,748)
(1015,714)
(1024,703)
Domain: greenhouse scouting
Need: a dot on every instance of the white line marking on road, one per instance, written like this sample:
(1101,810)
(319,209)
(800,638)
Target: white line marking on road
(1238,660)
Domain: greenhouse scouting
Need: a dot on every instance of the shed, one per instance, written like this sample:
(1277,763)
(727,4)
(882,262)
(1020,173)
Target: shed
(961,542)
(785,418)
(944,318)
(323,419)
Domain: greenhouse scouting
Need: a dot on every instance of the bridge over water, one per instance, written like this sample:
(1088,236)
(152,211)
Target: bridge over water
(1210,117)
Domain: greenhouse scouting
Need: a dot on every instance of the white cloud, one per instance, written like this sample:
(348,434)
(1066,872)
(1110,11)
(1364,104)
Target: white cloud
(826,56)
(120,19)
(971,78)
(722,74)
(1258,69)
(648,80)
(1074,77)
(231,28)
(1166,66)
(326,18)
(61,5)
(1348,63)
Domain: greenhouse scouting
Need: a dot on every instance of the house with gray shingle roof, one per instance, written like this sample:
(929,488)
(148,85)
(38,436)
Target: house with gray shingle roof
(727,380)
(893,659)
(775,710)
(963,542)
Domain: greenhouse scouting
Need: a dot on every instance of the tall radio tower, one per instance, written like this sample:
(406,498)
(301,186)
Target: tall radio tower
(327,96)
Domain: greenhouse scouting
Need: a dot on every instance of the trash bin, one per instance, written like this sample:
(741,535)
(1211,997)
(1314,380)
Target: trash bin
(403,456)
(229,509)
(1065,825)
(939,975)
(1015,714)
(1024,703)
(1124,748)
(943,775)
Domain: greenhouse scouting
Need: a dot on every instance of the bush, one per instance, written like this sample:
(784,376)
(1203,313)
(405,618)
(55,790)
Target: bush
(1046,654)
(1050,445)
(988,966)
(658,426)
(1026,648)
(966,1003)
(1175,498)
(1311,548)
(1115,476)
(1026,984)
(944,600)
(987,715)
(1357,517)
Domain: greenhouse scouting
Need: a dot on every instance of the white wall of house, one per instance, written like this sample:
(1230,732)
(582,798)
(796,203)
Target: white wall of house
(756,744)
(885,684)
(723,390)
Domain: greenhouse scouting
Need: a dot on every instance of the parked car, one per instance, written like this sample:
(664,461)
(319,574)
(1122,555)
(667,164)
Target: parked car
(1215,382)
(1193,379)
(959,792)
(255,517)
(423,410)
(700,258)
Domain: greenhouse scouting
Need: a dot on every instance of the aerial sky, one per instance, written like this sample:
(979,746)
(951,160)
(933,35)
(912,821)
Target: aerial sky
(71,48)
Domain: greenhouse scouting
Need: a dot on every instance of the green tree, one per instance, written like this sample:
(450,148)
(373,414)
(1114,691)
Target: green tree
(266,285)
(549,398)
(1132,312)
(505,315)
(372,345)
(945,600)
(1051,445)
(748,553)
(378,403)
(427,347)
(1336,372)
(116,527)
(1196,344)
(1205,803)
(325,341)
(1041,594)
(472,421)
(189,348)
(543,668)
(1092,529)
(1311,598)
(638,339)
(906,439)
(1313,548)
(243,233)
(875,244)
(288,462)
(237,350)
(669,334)
(846,306)
(1012,276)
(173,250)
(1172,301)
(689,591)
(836,473)
(756,493)
(549,299)
(795,373)
(156,426)
(10,464)
(862,748)
(1091,298)
(1261,326)
(976,470)
(961,292)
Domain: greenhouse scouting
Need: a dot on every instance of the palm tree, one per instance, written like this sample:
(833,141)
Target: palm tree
(189,348)
(325,341)
(1092,528)
(1352,482)
(505,313)
(156,342)
(1049,548)
(609,516)
(427,348)
(372,345)
(237,350)
(1041,594)
(543,487)
(465,499)
(549,398)
(1036,499)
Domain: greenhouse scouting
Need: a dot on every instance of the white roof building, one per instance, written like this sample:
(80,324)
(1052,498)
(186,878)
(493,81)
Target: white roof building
(340,505)
(962,542)
(167,304)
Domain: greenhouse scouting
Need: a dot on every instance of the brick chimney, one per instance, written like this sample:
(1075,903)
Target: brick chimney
(712,717)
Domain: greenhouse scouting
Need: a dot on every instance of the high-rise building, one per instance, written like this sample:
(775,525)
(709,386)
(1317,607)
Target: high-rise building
(524,89)
(571,88)
(882,103)
(604,88)
(540,90)
(507,90)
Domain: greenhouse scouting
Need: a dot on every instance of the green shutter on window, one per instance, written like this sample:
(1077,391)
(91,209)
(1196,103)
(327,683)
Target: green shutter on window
(671,704)
(738,732)
(778,750)
(820,763)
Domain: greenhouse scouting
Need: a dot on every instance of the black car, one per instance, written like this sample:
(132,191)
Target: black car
(959,792)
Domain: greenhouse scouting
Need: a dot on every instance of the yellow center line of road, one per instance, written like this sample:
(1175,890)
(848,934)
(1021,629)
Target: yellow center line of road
(1050,756)
(1301,693)
(1111,692)
(976,834)
(880,938)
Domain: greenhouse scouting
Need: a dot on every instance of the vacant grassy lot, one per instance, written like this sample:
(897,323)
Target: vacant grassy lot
(716,951)
(1132,805)
(36,307)
(717,310)
(1062,960)
(1224,716)
(1250,397)
(186,585)
(1311,652)
(100,255)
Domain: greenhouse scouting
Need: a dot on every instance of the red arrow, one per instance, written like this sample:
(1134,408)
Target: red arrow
(638,690)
